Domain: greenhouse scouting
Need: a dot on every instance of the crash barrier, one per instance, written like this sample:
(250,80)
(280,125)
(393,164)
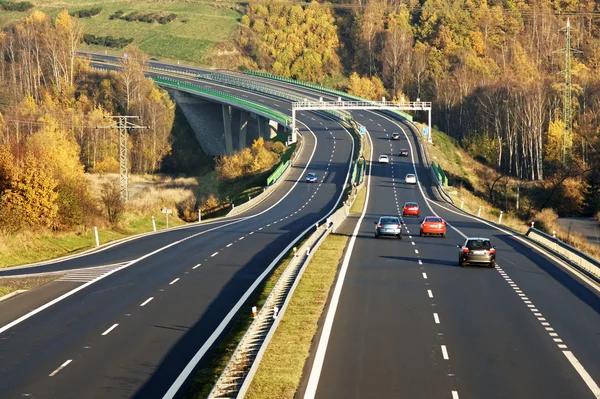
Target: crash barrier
(278,172)
(441,176)
(243,364)
(581,260)
(321,88)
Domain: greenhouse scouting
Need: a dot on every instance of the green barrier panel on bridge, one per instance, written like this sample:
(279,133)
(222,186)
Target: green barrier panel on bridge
(278,172)
(439,172)
(225,96)
(321,88)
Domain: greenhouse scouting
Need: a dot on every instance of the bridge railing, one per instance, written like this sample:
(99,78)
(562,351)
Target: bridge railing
(227,97)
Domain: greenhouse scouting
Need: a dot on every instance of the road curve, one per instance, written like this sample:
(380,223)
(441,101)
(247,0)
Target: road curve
(130,333)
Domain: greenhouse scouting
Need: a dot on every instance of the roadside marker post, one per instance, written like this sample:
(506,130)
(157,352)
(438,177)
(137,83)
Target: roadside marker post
(254,312)
(96,234)
(500,217)
(153,224)
(275,311)
(462,204)
(199,215)
(479,212)
(295,252)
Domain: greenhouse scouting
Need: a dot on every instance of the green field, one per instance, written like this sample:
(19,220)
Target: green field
(191,37)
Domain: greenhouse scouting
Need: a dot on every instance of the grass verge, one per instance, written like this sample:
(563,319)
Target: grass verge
(216,358)
(8,285)
(280,370)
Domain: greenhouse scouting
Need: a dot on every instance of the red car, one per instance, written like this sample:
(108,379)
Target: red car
(411,208)
(433,225)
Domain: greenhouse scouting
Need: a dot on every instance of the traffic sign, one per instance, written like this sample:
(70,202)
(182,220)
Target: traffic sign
(362,130)
(167,211)
(426,130)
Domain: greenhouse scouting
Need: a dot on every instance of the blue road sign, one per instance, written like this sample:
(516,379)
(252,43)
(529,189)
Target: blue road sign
(362,130)
(426,130)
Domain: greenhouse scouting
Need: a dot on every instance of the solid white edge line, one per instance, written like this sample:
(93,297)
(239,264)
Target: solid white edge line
(62,366)
(317,366)
(583,373)
(189,368)
(110,329)
(146,301)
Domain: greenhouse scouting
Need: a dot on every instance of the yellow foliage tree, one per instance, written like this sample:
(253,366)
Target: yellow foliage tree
(371,88)
(554,141)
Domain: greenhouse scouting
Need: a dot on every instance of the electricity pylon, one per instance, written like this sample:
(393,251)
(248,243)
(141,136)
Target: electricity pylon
(123,124)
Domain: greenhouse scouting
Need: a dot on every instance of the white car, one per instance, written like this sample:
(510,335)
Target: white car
(410,179)
(384,159)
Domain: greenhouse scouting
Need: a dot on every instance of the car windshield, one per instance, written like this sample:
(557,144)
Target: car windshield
(312,175)
(404,150)
(479,244)
(410,176)
(389,221)
(383,156)
(434,219)
(411,204)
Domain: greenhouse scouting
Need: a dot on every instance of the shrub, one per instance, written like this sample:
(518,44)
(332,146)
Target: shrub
(247,162)
(546,220)
(161,18)
(108,41)
(86,13)
(111,198)
(187,209)
(116,15)
(19,6)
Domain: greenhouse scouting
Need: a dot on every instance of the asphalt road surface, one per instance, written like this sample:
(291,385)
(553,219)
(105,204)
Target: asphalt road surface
(410,323)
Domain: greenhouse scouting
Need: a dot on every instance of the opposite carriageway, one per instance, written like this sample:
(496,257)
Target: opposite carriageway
(130,333)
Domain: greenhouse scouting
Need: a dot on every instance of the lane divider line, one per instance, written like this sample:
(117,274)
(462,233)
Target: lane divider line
(110,329)
(174,281)
(146,301)
(62,366)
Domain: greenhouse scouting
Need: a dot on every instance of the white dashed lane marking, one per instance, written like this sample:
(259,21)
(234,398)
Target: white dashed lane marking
(215,254)
(445,352)
(436,318)
(146,301)
(110,329)
(62,366)
(197,266)
(174,281)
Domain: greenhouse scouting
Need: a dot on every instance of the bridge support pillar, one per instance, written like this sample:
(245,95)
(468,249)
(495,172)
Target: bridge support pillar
(244,117)
(227,129)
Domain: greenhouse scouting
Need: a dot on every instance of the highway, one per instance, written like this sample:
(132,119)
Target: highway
(411,323)
(169,295)
(405,320)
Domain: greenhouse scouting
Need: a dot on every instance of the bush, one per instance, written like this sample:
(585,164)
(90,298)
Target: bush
(20,6)
(247,162)
(108,41)
(150,17)
(86,13)
(111,198)
(546,220)
(187,209)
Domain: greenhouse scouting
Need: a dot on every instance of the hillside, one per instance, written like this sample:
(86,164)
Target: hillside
(198,32)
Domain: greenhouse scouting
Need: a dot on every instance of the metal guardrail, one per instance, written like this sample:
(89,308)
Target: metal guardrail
(581,260)
(239,372)
(320,88)
(278,172)
(237,81)
(276,115)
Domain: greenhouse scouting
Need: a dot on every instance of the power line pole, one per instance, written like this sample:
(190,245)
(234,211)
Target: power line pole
(567,98)
(123,124)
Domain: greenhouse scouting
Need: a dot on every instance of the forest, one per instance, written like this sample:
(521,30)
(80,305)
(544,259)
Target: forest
(494,70)
(55,123)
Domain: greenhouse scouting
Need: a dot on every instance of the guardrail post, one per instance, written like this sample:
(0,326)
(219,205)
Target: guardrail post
(96,234)
(500,218)
(254,312)
(532,223)
(199,215)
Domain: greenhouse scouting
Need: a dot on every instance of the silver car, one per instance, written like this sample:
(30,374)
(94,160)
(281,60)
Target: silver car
(477,250)
(388,226)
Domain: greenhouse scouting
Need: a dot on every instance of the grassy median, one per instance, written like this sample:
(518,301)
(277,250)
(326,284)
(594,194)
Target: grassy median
(280,370)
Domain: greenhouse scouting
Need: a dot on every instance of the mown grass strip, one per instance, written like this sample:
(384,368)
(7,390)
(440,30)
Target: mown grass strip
(280,370)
